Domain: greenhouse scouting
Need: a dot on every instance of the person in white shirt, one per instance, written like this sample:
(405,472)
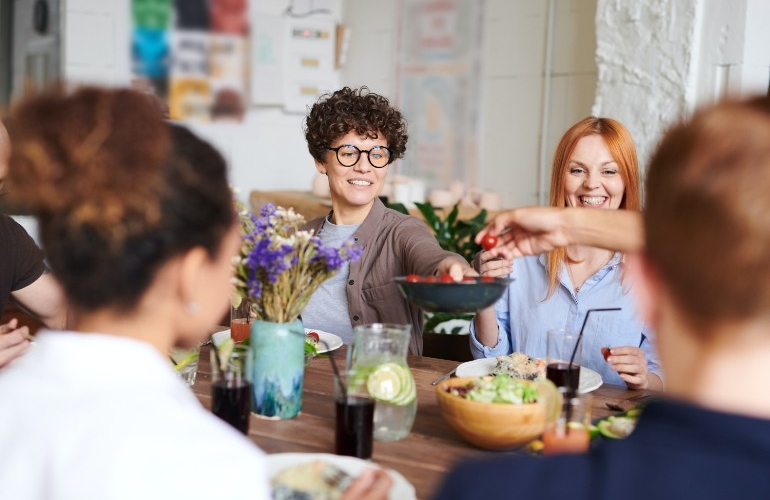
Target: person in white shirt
(138,222)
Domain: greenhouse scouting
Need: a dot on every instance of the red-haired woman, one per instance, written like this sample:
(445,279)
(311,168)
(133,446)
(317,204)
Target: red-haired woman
(594,167)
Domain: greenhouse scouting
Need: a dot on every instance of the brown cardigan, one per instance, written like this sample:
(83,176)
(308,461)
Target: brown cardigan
(394,244)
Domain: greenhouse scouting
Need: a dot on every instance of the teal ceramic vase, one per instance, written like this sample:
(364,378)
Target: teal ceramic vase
(279,368)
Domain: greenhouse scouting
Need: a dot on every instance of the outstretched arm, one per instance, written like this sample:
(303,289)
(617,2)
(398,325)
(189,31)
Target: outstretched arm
(535,230)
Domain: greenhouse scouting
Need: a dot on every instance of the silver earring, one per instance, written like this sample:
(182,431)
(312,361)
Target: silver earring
(192,307)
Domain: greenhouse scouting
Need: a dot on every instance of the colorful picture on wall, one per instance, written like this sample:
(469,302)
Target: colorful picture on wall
(198,64)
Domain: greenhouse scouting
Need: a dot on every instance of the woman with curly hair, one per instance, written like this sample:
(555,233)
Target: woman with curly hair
(353,136)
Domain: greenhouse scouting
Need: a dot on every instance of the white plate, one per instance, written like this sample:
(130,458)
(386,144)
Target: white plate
(333,341)
(401,489)
(589,379)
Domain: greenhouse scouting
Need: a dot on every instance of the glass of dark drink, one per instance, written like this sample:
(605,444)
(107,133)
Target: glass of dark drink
(231,376)
(354,415)
(563,357)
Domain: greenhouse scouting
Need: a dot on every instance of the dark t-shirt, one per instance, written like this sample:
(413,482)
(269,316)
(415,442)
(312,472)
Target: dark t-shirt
(21,261)
(677,451)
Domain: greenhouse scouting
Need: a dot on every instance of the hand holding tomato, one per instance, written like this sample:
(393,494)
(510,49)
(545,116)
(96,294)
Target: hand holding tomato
(489,242)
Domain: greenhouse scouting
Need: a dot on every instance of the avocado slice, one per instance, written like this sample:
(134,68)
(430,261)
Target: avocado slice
(616,427)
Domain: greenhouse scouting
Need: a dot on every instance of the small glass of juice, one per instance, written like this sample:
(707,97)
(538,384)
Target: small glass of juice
(570,432)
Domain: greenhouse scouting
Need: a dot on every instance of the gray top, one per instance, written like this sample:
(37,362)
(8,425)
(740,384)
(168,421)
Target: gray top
(325,310)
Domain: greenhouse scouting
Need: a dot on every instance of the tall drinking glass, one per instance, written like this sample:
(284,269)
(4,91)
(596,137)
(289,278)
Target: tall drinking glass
(231,376)
(186,363)
(564,353)
(354,415)
(240,320)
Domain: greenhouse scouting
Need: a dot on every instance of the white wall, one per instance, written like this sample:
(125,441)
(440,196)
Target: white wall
(656,60)
(266,151)
(659,59)
(514,111)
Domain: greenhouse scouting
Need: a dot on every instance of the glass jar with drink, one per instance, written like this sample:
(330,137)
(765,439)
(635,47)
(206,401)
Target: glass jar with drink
(378,353)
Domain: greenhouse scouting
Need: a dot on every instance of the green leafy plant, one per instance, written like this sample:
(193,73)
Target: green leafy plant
(452,234)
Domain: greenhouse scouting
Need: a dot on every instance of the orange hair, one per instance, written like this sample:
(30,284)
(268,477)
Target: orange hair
(621,146)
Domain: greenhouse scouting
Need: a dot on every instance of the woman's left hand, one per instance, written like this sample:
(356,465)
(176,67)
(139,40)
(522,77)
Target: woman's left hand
(631,364)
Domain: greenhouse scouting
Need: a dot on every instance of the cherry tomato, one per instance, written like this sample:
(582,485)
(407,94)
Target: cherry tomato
(469,278)
(489,242)
(606,352)
(413,278)
(314,335)
(487,279)
(446,278)
(430,279)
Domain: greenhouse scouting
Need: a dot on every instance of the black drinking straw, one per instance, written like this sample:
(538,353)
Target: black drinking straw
(570,392)
(580,335)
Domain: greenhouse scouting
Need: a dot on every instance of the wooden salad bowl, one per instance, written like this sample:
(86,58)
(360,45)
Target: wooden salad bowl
(492,426)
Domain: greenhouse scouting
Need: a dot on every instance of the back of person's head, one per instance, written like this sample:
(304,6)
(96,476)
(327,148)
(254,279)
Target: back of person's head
(622,149)
(118,191)
(359,110)
(707,209)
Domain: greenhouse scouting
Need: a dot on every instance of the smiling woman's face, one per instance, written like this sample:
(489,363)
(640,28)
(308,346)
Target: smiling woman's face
(592,178)
(356,187)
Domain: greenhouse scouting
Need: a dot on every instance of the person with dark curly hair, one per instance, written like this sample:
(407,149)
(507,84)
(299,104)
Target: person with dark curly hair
(353,136)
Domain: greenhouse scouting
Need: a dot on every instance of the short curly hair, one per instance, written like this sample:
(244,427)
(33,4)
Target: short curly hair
(345,110)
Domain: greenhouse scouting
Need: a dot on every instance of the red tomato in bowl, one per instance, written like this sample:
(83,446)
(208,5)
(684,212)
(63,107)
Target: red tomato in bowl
(446,278)
(413,278)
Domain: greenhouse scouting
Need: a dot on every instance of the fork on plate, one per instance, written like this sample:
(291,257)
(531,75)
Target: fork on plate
(336,477)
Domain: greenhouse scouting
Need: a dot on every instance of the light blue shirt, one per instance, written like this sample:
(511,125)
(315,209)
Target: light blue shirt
(524,317)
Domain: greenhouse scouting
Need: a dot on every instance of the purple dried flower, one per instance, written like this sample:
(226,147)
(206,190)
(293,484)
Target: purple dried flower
(282,266)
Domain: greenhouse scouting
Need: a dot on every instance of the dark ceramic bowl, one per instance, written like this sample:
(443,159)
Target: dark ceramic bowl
(461,297)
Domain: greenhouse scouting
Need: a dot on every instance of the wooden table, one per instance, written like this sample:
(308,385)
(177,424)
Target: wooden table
(422,458)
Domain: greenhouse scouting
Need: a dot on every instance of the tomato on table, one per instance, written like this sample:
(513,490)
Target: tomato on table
(314,335)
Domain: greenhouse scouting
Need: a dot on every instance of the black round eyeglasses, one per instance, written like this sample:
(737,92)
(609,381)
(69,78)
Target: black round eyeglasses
(348,155)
